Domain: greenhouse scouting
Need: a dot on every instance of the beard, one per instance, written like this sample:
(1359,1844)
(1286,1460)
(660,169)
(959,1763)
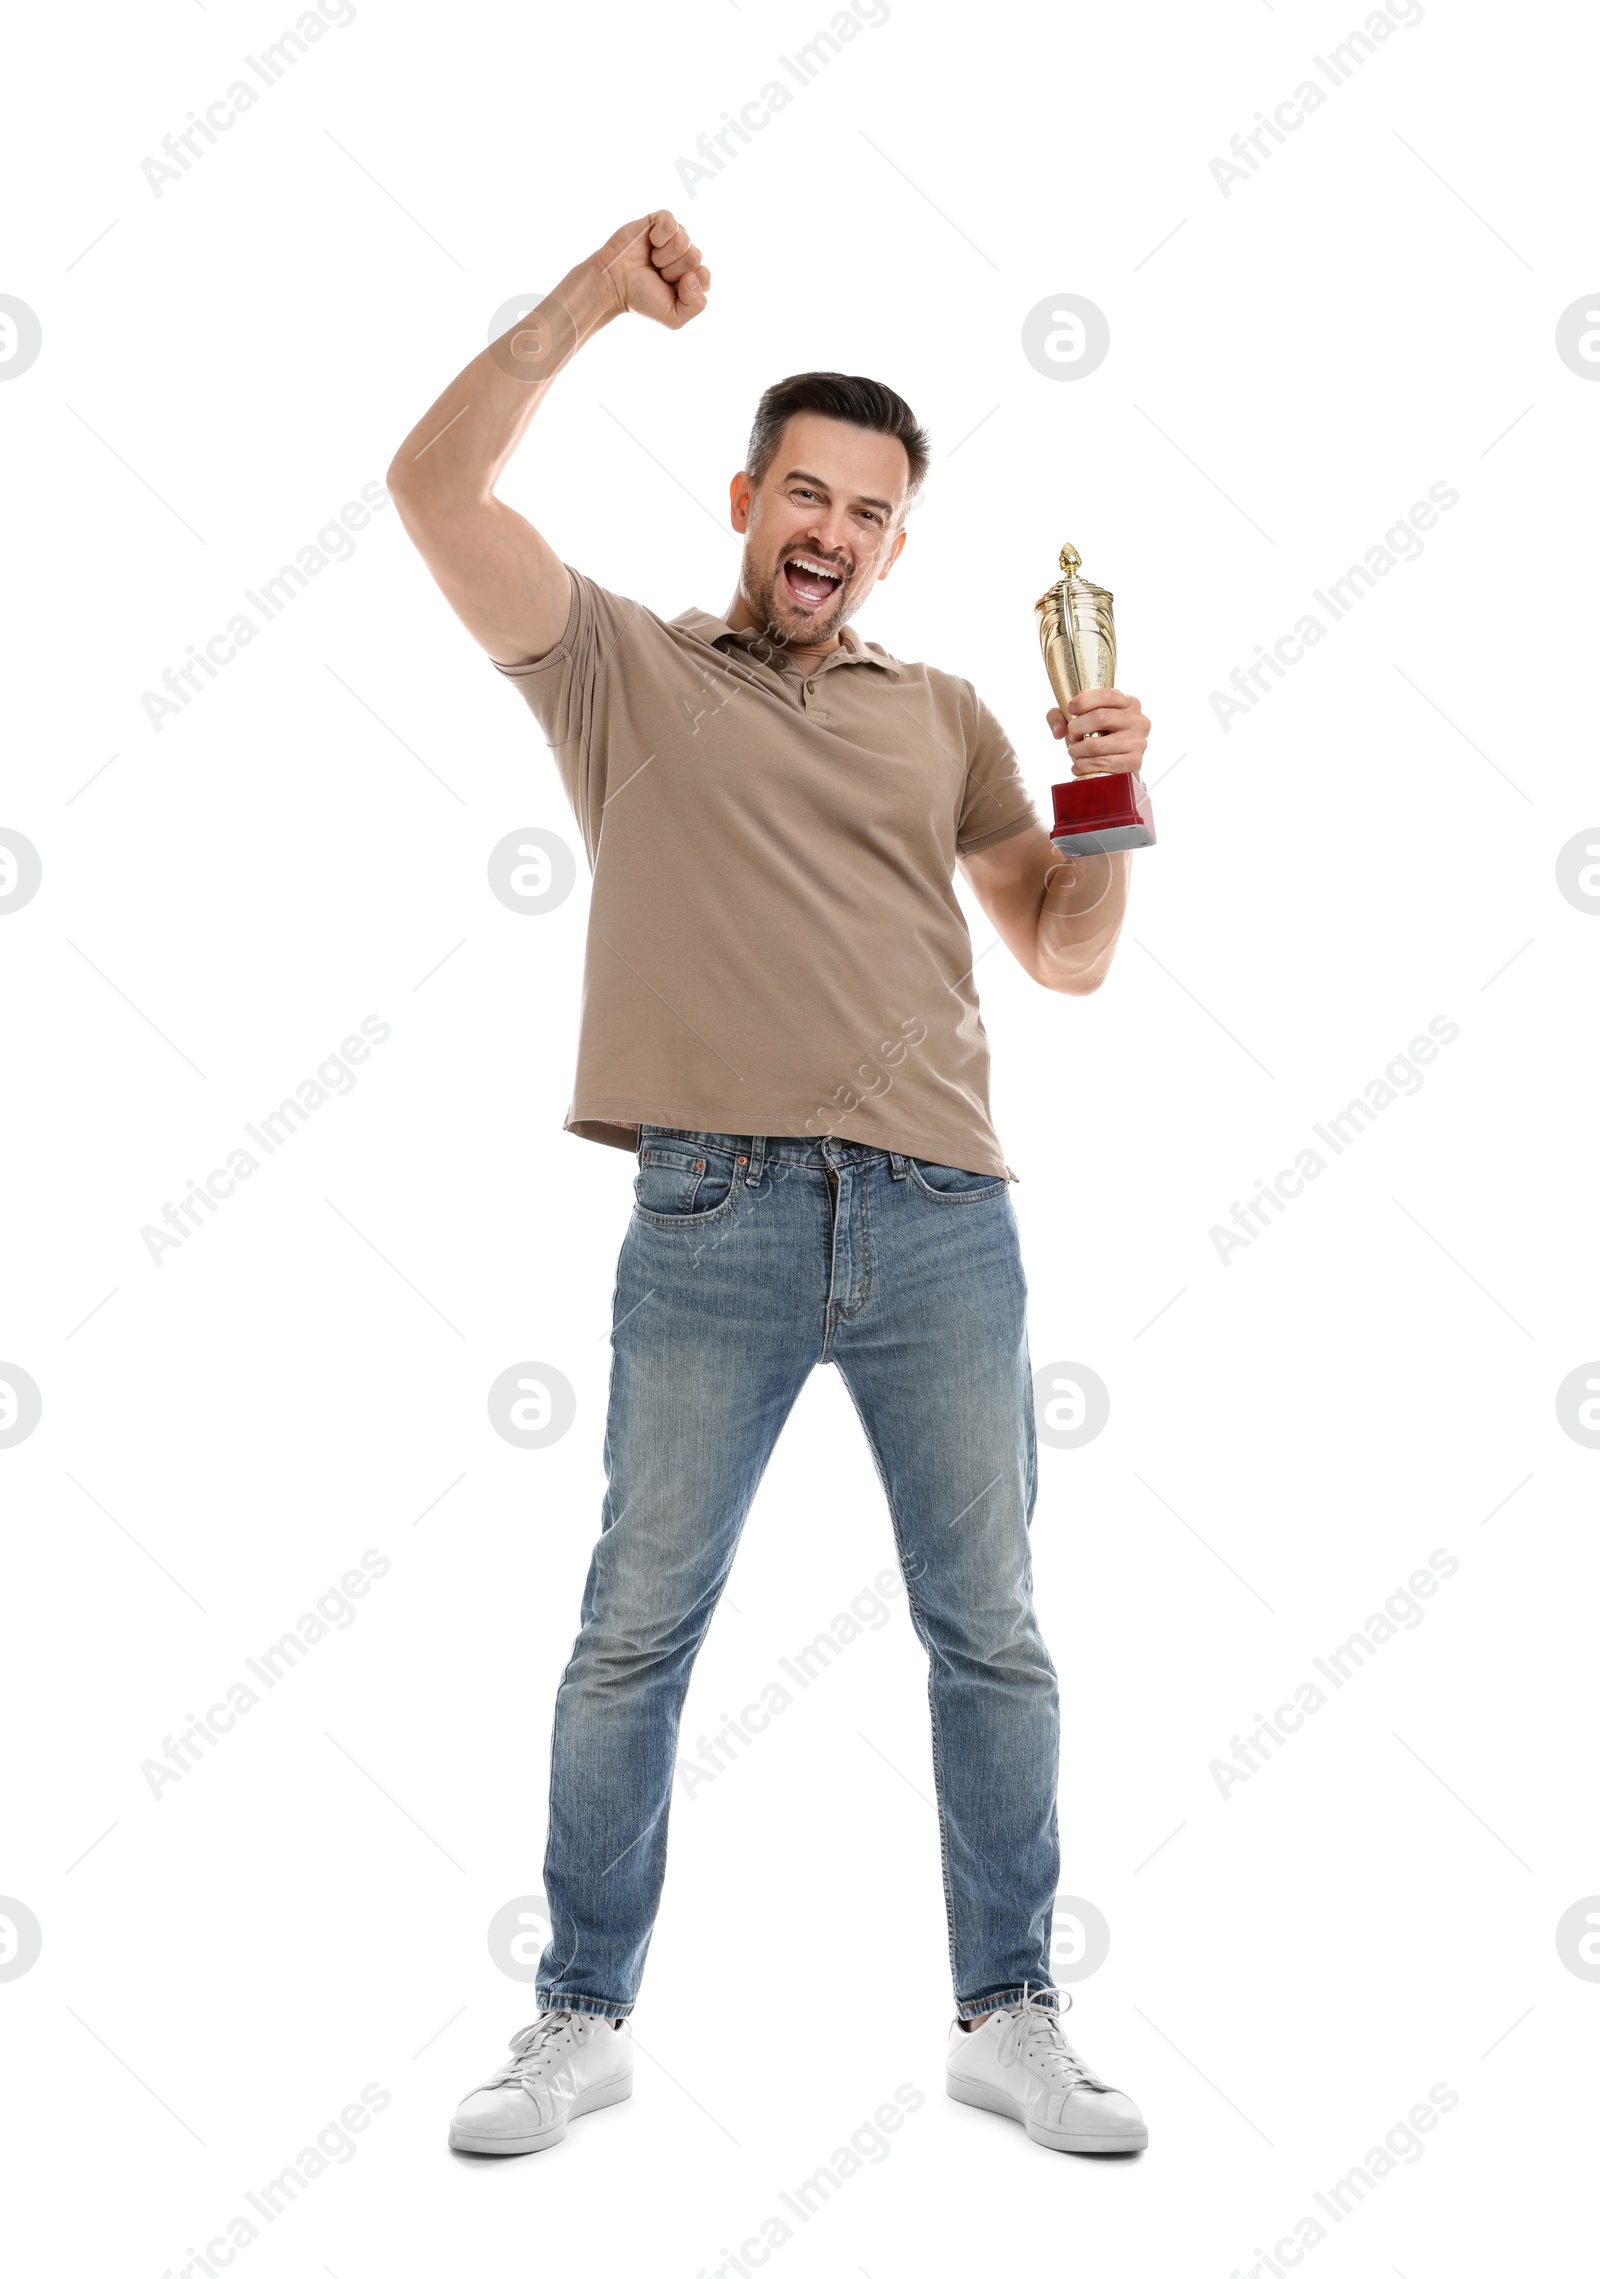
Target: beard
(784,623)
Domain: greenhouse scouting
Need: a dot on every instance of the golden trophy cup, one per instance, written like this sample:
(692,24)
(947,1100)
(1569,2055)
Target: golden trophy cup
(1103,808)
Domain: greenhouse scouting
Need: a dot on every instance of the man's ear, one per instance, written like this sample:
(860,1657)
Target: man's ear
(740,493)
(893,555)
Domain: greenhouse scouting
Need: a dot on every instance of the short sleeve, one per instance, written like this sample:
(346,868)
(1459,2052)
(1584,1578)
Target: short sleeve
(564,689)
(995,799)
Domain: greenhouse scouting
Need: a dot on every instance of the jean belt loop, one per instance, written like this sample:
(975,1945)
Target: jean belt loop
(758,1150)
(897,1165)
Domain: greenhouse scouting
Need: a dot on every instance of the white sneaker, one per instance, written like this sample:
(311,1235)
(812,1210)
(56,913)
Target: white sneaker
(1020,2063)
(565,2063)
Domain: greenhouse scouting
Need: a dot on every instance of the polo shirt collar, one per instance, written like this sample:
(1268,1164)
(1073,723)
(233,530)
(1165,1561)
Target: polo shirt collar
(851,651)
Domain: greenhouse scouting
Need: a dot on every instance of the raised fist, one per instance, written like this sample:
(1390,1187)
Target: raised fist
(653,269)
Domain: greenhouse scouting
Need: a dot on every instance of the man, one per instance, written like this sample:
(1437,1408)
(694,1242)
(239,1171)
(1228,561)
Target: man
(779,1018)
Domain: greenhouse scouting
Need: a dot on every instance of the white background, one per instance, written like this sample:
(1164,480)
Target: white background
(1292,1967)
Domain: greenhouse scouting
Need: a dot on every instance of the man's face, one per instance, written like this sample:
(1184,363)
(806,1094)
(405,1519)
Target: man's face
(821,527)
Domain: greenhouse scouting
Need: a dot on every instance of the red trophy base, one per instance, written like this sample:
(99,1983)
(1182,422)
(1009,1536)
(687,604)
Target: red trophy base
(1096,814)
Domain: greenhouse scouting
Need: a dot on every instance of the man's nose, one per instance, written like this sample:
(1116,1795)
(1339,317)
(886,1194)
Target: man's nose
(832,541)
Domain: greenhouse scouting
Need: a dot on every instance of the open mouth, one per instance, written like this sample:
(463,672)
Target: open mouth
(809,582)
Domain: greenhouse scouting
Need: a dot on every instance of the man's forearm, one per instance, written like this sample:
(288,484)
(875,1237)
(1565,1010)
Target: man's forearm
(460,445)
(1080,917)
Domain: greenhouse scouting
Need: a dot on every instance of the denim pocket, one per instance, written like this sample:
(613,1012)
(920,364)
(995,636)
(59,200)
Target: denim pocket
(943,1183)
(682,1183)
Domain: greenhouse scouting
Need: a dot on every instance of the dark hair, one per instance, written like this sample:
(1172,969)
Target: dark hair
(837,395)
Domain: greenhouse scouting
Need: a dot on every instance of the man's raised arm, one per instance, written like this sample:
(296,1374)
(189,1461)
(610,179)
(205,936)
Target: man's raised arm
(507,585)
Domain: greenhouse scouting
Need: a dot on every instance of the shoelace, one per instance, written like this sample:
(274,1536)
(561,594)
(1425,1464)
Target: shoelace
(1035,2032)
(534,2046)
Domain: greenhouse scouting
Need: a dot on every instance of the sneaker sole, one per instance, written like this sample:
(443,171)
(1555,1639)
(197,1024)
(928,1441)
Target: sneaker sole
(539,2140)
(1054,2140)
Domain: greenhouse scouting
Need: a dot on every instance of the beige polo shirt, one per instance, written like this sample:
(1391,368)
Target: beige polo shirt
(774,942)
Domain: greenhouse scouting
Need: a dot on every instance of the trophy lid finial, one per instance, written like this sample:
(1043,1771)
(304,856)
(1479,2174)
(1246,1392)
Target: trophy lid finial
(1071,559)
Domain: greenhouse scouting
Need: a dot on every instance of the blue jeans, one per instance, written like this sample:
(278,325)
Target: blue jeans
(747,1262)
